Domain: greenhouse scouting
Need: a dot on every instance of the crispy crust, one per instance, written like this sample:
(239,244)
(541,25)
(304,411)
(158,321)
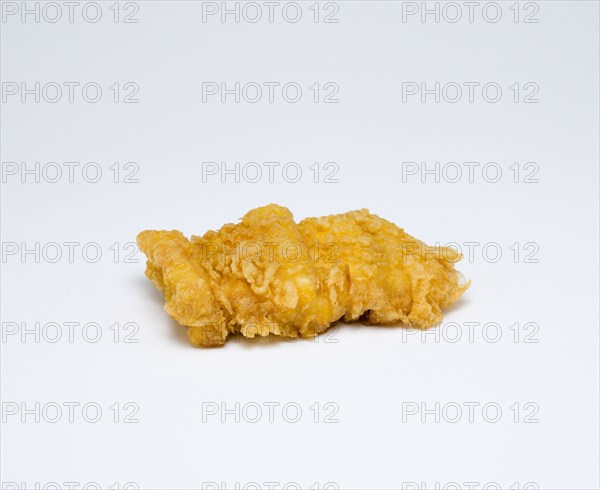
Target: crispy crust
(269,275)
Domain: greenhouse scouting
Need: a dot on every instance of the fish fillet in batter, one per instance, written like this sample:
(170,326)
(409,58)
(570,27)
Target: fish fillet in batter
(271,275)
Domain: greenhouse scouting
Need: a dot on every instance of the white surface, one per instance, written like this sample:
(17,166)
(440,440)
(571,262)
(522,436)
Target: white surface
(372,374)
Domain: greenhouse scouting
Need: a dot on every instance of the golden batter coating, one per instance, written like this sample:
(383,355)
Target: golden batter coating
(268,274)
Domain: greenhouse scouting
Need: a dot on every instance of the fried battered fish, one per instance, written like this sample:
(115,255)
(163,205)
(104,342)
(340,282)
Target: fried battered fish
(270,275)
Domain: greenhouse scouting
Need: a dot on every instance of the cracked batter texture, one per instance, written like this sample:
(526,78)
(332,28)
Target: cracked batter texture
(271,275)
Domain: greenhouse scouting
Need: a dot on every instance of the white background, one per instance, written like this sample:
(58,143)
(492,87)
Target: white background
(372,375)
